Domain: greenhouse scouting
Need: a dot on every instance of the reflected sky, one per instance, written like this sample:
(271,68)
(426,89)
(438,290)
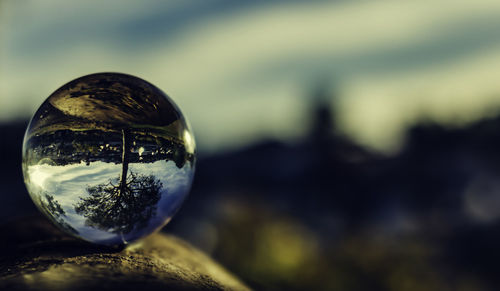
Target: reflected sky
(68,184)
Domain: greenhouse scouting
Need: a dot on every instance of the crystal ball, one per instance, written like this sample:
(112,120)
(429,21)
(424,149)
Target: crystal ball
(108,158)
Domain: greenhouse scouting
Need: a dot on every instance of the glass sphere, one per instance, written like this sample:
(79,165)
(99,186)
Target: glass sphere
(109,158)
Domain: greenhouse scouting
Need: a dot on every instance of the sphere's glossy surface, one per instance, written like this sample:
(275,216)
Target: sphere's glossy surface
(108,158)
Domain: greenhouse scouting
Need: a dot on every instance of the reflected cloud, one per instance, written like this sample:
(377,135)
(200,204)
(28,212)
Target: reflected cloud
(69,183)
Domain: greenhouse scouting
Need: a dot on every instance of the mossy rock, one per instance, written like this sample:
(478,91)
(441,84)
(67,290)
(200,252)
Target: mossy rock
(37,256)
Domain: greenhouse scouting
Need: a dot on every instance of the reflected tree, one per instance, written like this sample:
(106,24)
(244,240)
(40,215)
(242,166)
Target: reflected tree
(122,204)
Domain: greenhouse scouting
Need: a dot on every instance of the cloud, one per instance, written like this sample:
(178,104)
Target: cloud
(239,74)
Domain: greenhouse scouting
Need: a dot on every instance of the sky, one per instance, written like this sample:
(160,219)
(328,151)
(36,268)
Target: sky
(245,70)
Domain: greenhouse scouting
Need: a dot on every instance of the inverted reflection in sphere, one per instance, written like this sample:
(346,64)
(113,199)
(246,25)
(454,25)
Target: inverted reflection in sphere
(108,158)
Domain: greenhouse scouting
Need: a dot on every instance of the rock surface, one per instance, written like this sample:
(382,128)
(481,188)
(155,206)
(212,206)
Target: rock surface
(36,256)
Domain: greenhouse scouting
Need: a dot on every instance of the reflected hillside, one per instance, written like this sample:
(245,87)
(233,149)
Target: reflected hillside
(89,119)
(109,102)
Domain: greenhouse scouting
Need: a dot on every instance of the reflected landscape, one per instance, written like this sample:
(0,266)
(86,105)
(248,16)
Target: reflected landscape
(108,158)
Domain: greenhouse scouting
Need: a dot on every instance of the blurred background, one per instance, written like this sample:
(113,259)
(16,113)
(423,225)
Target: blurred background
(343,145)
